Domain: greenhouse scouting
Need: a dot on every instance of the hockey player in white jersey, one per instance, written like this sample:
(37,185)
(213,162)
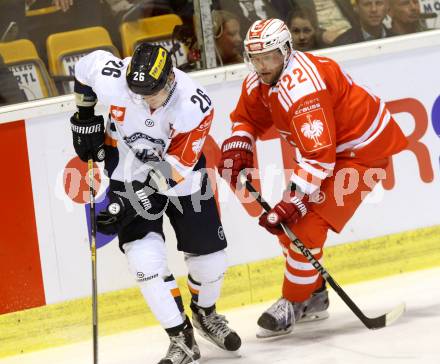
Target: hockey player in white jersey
(152,148)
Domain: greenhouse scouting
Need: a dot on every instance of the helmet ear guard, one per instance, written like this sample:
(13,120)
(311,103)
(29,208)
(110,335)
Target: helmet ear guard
(149,69)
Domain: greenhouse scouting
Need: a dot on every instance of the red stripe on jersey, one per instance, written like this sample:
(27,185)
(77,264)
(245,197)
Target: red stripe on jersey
(285,98)
(290,103)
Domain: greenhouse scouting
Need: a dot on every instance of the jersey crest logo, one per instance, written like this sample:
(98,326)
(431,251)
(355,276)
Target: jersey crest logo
(198,145)
(312,129)
(117,113)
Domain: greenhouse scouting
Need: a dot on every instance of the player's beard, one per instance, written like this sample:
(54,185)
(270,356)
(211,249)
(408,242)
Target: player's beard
(274,79)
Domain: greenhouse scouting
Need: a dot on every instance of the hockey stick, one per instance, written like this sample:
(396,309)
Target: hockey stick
(93,256)
(371,323)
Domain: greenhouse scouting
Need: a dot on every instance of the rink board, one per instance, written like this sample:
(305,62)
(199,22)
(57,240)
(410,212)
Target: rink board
(46,258)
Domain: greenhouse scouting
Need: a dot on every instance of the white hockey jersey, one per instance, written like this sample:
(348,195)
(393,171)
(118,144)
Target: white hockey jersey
(175,132)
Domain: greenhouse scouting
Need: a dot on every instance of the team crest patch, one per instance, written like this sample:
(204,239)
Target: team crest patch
(312,130)
(117,113)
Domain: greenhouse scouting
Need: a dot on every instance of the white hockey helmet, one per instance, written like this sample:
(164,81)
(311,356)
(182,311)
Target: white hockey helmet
(266,35)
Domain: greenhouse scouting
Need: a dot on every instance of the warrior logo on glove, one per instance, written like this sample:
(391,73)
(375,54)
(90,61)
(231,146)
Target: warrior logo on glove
(88,137)
(237,154)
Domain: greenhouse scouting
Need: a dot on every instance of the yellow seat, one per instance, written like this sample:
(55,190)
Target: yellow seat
(156,30)
(64,49)
(42,11)
(22,59)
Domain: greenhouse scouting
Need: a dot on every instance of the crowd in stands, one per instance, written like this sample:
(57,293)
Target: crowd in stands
(314,24)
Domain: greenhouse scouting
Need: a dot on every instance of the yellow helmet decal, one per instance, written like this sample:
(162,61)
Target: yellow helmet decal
(159,64)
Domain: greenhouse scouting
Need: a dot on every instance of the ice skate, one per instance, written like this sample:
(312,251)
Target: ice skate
(183,349)
(280,318)
(214,328)
(315,307)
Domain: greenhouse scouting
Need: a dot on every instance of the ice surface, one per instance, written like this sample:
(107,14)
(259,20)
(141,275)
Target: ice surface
(414,338)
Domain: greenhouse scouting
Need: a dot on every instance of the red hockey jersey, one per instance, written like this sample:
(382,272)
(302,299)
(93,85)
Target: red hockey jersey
(319,110)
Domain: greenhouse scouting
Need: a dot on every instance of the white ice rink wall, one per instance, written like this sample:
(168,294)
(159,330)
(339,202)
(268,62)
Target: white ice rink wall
(403,72)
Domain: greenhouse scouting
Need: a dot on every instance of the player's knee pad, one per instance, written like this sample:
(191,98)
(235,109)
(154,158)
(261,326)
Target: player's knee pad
(147,259)
(207,268)
(205,277)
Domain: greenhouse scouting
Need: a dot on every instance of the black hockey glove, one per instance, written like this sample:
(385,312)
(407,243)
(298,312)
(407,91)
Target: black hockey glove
(135,199)
(88,137)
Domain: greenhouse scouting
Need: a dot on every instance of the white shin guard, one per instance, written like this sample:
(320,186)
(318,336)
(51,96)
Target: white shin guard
(147,261)
(205,278)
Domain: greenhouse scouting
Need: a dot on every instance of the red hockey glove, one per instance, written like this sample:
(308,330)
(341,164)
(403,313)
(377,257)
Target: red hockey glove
(237,154)
(288,211)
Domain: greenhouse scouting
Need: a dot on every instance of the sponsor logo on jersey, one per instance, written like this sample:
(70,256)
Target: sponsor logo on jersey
(117,113)
(312,130)
(136,136)
(159,64)
(149,123)
(306,108)
(150,149)
(205,124)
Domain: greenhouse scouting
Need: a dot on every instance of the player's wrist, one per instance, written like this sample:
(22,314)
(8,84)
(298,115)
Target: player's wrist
(237,142)
(296,199)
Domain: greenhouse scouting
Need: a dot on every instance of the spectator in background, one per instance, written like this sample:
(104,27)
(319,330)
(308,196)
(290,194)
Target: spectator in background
(228,41)
(405,17)
(10,93)
(303,25)
(371,16)
(247,11)
(334,16)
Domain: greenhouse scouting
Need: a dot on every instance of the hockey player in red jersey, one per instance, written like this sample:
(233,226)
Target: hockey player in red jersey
(335,127)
